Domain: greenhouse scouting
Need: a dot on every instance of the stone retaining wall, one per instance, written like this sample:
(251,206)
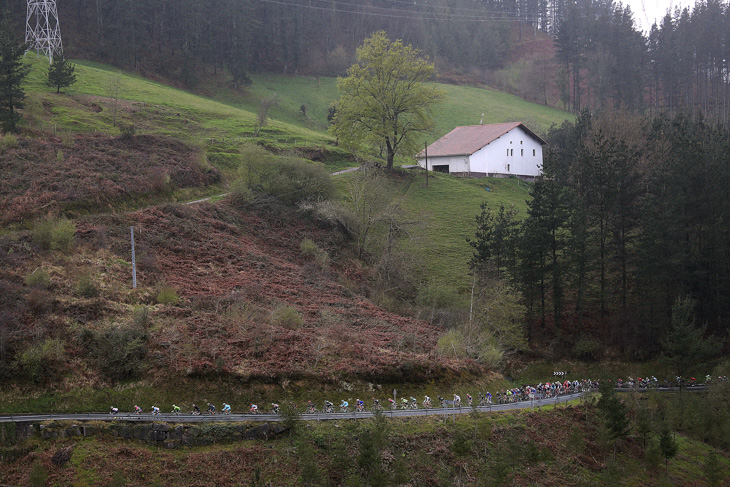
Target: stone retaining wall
(166,435)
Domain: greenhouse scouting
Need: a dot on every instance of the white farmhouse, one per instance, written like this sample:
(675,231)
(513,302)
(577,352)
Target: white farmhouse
(494,150)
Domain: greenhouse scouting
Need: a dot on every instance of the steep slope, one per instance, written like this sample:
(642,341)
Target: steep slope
(250,306)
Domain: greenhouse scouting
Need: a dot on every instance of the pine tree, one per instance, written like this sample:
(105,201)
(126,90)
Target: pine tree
(12,75)
(614,413)
(668,446)
(61,73)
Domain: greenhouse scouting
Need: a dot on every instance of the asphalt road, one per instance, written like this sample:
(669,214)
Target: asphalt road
(189,418)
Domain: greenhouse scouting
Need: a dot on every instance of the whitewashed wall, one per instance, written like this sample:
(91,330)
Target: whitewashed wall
(455,163)
(510,154)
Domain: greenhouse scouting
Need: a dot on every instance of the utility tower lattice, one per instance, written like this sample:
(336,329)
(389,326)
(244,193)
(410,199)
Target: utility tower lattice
(42,31)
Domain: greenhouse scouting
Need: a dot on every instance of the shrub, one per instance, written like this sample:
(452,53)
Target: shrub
(38,474)
(240,193)
(39,301)
(54,234)
(39,278)
(86,287)
(160,179)
(167,295)
(141,317)
(127,131)
(62,237)
(311,250)
(8,141)
(288,179)
(40,361)
(286,316)
(119,350)
(452,344)
(491,356)
(438,295)
(67,140)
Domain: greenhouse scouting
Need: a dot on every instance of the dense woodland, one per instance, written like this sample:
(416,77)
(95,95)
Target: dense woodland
(631,218)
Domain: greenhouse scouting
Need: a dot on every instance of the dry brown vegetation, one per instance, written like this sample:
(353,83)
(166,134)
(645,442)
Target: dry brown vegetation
(233,271)
(43,175)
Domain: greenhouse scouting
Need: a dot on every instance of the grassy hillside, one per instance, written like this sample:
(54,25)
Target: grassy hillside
(446,212)
(463,106)
(154,107)
(450,206)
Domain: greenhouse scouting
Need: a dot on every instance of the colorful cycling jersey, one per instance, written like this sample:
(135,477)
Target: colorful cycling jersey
(226,407)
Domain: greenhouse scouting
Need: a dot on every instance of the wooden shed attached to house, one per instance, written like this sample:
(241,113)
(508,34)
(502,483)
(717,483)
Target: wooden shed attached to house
(494,150)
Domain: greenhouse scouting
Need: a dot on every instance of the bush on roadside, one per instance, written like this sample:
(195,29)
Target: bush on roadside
(119,350)
(41,362)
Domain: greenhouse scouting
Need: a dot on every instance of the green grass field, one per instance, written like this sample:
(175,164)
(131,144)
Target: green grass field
(463,106)
(449,206)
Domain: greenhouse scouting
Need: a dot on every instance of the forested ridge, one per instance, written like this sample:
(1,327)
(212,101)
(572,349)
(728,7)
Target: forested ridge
(569,53)
(625,242)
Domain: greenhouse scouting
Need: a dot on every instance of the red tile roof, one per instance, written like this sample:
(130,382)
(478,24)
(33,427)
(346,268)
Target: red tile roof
(467,140)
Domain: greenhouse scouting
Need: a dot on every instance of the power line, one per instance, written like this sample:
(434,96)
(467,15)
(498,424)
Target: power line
(404,14)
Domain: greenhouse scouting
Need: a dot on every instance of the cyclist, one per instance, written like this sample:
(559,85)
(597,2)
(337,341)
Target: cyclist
(113,410)
(155,410)
(226,409)
(328,406)
(426,402)
(391,403)
(310,407)
(404,403)
(211,408)
(442,402)
(196,410)
(414,403)
(176,409)
(137,409)
(254,409)
(457,401)
(468,399)
(274,408)
(376,405)
(344,405)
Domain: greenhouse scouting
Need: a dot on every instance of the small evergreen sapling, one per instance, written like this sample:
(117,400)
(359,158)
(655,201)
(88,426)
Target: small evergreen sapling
(61,73)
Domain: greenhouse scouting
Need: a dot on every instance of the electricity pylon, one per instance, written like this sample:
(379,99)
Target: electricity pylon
(42,31)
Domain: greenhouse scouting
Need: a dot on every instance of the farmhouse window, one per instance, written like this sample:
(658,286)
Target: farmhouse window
(533,152)
(522,152)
